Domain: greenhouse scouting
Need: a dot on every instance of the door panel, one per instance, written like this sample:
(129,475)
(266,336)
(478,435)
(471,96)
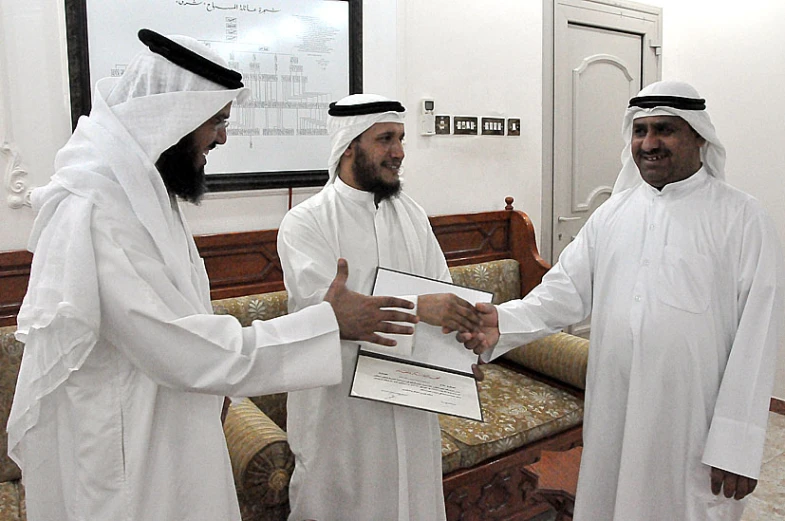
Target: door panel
(603,55)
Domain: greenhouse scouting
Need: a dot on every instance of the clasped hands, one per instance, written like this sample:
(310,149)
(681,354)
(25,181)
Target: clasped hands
(361,317)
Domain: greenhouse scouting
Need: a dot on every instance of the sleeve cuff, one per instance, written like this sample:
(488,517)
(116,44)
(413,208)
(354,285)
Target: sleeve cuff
(735,447)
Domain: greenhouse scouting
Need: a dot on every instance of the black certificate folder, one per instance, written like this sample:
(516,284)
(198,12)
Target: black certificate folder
(428,370)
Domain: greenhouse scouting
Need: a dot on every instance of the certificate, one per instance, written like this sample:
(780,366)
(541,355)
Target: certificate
(428,370)
(386,379)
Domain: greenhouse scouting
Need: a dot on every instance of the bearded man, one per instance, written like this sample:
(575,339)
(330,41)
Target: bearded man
(116,413)
(357,459)
(683,277)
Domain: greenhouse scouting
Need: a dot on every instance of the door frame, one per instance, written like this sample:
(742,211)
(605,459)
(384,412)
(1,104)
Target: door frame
(548,31)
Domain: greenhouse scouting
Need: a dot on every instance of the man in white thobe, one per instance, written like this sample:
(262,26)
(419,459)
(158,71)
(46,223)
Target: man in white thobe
(116,414)
(358,460)
(682,274)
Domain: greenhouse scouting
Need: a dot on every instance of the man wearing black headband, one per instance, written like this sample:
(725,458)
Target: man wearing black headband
(683,277)
(357,459)
(116,414)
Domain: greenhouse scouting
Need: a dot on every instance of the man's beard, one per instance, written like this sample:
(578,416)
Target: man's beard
(368,177)
(178,169)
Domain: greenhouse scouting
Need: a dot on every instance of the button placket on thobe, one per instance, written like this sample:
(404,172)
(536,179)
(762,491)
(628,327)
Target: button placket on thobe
(384,257)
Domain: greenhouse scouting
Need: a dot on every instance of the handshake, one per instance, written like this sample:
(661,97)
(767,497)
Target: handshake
(361,317)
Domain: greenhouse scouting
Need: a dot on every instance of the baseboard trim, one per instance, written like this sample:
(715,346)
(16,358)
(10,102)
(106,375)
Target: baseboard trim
(777,406)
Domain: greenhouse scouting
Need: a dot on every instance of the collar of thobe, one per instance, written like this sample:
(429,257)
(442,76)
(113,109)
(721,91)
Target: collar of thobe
(398,216)
(681,188)
(361,197)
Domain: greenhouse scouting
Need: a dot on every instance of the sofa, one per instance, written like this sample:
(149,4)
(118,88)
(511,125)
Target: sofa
(532,397)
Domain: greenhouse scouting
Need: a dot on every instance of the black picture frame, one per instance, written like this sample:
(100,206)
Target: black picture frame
(79,85)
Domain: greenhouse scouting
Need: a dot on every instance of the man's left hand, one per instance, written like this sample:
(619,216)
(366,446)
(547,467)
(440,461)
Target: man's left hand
(449,311)
(732,485)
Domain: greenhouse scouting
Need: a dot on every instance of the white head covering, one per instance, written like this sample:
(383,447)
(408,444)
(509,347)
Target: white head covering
(159,102)
(361,112)
(110,161)
(670,98)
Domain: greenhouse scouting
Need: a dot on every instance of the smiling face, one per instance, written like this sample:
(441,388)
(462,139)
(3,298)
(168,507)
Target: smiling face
(372,162)
(666,149)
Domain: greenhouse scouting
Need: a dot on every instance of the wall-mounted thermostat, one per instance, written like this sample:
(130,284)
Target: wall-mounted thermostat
(427,117)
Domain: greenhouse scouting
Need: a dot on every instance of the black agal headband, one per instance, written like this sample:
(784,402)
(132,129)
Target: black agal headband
(676,102)
(189,60)
(363,109)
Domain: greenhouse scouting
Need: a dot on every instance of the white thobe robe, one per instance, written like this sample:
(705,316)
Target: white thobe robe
(684,287)
(357,459)
(116,414)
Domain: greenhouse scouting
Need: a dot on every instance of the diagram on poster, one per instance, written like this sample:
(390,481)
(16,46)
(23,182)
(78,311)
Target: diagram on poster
(293,55)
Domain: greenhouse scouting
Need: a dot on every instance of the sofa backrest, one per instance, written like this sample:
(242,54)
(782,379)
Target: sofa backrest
(501,277)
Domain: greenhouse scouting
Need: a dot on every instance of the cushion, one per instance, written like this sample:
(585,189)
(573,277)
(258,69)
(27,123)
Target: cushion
(274,406)
(12,507)
(560,356)
(261,460)
(451,455)
(502,277)
(262,306)
(10,359)
(517,410)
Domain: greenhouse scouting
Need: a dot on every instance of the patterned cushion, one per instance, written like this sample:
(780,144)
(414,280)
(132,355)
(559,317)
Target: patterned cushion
(10,358)
(502,277)
(12,505)
(263,306)
(518,410)
(560,356)
(261,460)
(274,406)
(451,455)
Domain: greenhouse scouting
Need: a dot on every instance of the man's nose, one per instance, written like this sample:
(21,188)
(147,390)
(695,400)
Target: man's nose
(650,141)
(220,136)
(397,150)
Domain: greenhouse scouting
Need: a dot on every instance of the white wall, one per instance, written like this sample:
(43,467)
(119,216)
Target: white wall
(34,111)
(733,54)
(473,61)
(411,51)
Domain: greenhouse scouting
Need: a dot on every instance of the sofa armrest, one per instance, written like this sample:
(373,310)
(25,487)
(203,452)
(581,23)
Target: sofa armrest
(262,462)
(561,356)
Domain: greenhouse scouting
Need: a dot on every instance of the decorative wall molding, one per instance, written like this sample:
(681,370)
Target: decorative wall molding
(15,178)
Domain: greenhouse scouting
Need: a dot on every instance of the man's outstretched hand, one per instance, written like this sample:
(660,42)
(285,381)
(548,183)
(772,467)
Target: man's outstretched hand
(361,317)
(449,311)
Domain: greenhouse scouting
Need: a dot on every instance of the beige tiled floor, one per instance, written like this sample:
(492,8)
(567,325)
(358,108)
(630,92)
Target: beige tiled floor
(767,503)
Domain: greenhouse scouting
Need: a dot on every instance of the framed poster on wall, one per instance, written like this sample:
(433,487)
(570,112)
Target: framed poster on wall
(296,56)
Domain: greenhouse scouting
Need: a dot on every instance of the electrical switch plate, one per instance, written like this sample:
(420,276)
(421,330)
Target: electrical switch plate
(465,125)
(492,126)
(514,127)
(442,125)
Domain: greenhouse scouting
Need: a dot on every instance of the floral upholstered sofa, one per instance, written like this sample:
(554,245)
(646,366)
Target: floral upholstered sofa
(532,400)
(532,397)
